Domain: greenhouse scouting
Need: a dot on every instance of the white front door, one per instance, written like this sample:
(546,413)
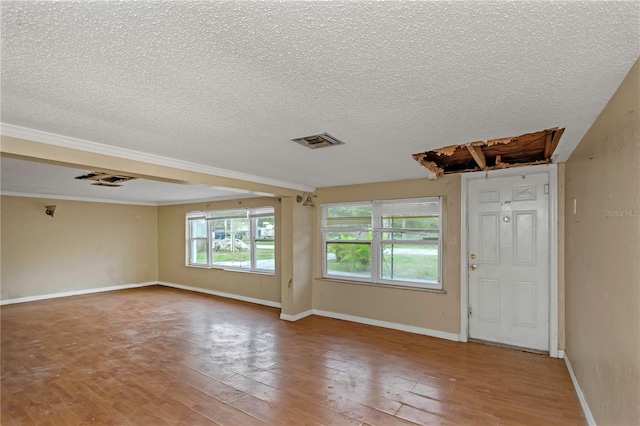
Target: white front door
(508,246)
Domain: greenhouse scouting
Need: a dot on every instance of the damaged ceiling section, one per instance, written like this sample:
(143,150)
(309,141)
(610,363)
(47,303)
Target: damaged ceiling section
(105,179)
(524,150)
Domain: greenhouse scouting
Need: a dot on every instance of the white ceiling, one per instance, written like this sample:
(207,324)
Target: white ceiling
(28,178)
(228,84)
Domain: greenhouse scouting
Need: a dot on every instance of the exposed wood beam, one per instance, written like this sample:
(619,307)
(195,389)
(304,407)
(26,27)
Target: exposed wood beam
(547,145)
(512,165)
(478,156)
(530,148)
(554,142)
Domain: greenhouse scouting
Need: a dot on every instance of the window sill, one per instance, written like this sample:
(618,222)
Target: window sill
(244,271)
(394,286)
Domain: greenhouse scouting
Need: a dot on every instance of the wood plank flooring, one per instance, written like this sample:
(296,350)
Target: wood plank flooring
(157,356)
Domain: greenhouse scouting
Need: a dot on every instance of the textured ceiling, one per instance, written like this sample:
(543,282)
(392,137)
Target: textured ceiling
(228,84)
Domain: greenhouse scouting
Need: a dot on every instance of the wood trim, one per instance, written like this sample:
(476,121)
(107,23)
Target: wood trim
(73,293)
(263,302)
(583,401)
(73,198)
(296,317)
(392,325)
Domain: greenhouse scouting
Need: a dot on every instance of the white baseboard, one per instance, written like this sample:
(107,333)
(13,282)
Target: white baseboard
(296,317)
(583,402)
(560,353)
(270,303)
(222,294)
(392,325)
(73,293)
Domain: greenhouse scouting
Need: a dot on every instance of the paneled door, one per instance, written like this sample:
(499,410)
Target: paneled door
(509,260)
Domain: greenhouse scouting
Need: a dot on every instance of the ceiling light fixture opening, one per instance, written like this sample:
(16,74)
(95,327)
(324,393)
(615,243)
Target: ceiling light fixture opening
(105,179)
(109,185)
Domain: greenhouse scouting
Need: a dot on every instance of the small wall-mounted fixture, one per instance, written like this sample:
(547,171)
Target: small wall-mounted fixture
(50,209)
(305,199)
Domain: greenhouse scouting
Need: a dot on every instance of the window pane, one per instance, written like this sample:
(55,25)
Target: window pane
(198,228)
(199,251)
(410,262)
(265,255)
(237,255)
(349,259)
(411,236)
(413,222)
(236,228)
(348,216)
(231,213)
(410,208)
(349,236)
(231,242)
(265,228)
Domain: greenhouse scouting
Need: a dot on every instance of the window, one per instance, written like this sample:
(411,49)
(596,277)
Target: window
(389,242)
(232,239)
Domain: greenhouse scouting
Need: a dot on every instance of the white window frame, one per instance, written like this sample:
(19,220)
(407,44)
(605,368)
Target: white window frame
(253,214)
(190,239)
(377,242)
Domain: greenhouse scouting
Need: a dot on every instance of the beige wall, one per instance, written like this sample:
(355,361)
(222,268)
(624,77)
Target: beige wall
(85,245)
(171,254)
(603,259)
(427,309)
(296,254)
(303,258)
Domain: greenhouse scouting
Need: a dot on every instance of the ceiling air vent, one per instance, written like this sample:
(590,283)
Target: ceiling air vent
(322,140)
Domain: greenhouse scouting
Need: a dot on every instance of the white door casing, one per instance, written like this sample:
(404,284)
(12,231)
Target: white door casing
(509,288)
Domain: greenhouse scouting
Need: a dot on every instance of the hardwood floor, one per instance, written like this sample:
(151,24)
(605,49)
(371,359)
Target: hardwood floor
(155,356)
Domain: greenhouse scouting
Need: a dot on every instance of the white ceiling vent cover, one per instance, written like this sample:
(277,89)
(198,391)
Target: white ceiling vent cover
(322,140)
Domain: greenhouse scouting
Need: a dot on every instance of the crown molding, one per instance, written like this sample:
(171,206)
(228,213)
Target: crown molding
(20,132)
(73,198)
(207,200)
(115,201)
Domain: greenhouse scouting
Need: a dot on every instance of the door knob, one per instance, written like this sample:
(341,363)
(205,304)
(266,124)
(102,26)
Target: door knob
(473,267)
(473,255)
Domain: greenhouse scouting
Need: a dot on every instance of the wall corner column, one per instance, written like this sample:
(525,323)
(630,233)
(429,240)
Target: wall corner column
(296,259)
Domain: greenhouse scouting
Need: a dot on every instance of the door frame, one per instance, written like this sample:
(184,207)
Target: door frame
(552,171)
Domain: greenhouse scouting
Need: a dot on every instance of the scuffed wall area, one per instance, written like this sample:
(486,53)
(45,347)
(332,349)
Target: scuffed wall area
(83,246)
(602,271)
